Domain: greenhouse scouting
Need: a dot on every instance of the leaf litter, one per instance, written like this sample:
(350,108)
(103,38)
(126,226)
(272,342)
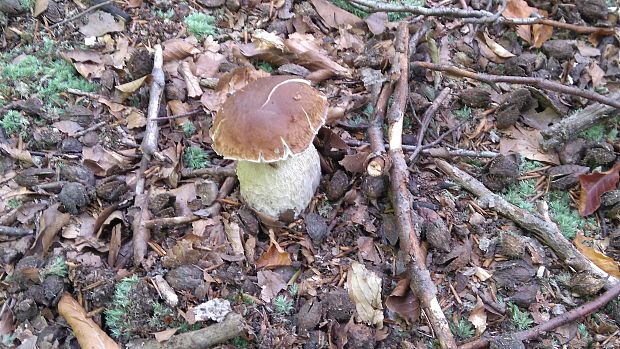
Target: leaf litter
(342,257)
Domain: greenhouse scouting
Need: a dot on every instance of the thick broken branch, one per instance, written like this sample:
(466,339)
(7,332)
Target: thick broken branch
(546,232)
(378,162)
(231,327)
(521,80)
(565,130)
(411,253)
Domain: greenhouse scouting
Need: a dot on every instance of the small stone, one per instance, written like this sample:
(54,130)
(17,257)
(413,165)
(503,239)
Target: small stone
(512,274)
(338,304)
(475,97)
(75,197)
(71,145)
(572,153)
(207,191)
(559,49)
(506,342)
(525,295)
(185,277)
(309,314)
(316,340)
(233,5)
(506,117)
(25,309)
(79,174)
(521,65)
(360,336)
(337,185)
(501,172)
(511,245)
(593,10)
(211,3)
(316,227)
(160,201)
(595,157)
(585,284)
(112,191)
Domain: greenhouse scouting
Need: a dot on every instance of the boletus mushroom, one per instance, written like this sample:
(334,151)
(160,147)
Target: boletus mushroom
(268,127)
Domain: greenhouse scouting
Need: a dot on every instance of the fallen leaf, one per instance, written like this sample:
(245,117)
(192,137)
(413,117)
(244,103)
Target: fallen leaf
(67,126)
(478,317)
(178,49)
(7,323)
(497,48)
(593,186)
(101,23)
(596,74)
(520,9)
(376,22)
(86,331)
(608,264)
(17,154)
(50,223)
(164,335)
(136,120)
(274,257)
(270,283)
(39,7)
(364,288)
(541,32)
(333,16)
(527,143)
(233,233)
(132,86)
(403,302)
(192,83)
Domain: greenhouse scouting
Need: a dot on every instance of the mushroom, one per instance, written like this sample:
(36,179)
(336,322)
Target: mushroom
(268,127)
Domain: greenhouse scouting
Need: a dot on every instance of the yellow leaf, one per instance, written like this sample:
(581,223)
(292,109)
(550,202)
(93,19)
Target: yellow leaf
(604,262)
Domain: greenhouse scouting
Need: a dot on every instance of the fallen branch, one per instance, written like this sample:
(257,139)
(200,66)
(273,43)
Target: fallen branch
(521,80)
(437,152)
(426,120)
(228,171)
(473,16)
(14,231)
(545,231)
(141,233)
(378,162)
(564,319)
(107,6)
(170,221)
(565,130)
(231,327)
(410,251)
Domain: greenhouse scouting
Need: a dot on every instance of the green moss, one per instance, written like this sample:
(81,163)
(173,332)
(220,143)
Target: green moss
(519,194)
(601,132)
(266,67)
(520,319)
(463,113)
(188,129)
(200,24)
(283,305)
(57,267)
(462,329)
(397,16)
(566,217)
(195,157)
(13,122)
(345,5)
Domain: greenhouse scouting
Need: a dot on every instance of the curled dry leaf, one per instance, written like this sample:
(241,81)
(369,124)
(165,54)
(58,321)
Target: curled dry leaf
(593,186)
(270,283)
(520,9)
(274,257)
(51,222)
(333,15)
(88,334)
(233,233)
(497,48)
(603,261)
(364,288)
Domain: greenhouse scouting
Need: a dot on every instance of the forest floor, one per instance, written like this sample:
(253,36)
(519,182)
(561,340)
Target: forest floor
(469,193)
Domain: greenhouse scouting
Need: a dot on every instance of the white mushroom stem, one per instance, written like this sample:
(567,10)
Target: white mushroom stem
(275,187)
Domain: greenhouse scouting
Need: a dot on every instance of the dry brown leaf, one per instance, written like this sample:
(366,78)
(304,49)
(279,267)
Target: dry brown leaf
(178,49)
(17,154)
(403,302)
(164,335)
(497,48)
(100,23)
(520,9)
(270,283)
(40,6)
(132,86)
(376,22)
(135,119)
(608,264)
(364,288)
(67,126)
(274,257)
(192,83)
(233,233)
(208,63)
(333,15)
(478,317)
(50,223)
(527,143)
(86,331)
(541,32)
(596,74)
(593,185)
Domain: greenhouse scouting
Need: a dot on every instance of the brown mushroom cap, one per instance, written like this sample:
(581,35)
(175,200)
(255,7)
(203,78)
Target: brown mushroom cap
(269,120)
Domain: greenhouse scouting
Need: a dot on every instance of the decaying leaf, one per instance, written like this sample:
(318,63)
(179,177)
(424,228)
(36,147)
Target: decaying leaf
(608,264)
(364,288)
(51,222)
(88,334)
(593,186)
(520,9)
(478,317)
(132,86)
(333,15)
(540,32)
(233,233)
(403,302)
(100,23)
(274,257)
(270,283)
(497,48)
(527,143)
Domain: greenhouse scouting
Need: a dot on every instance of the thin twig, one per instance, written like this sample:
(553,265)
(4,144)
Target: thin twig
(378,162)
(88,10)
(435,152)
(228,171)
(92,128)
(564,319)
(14,231)
(426,120)
(537,82)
